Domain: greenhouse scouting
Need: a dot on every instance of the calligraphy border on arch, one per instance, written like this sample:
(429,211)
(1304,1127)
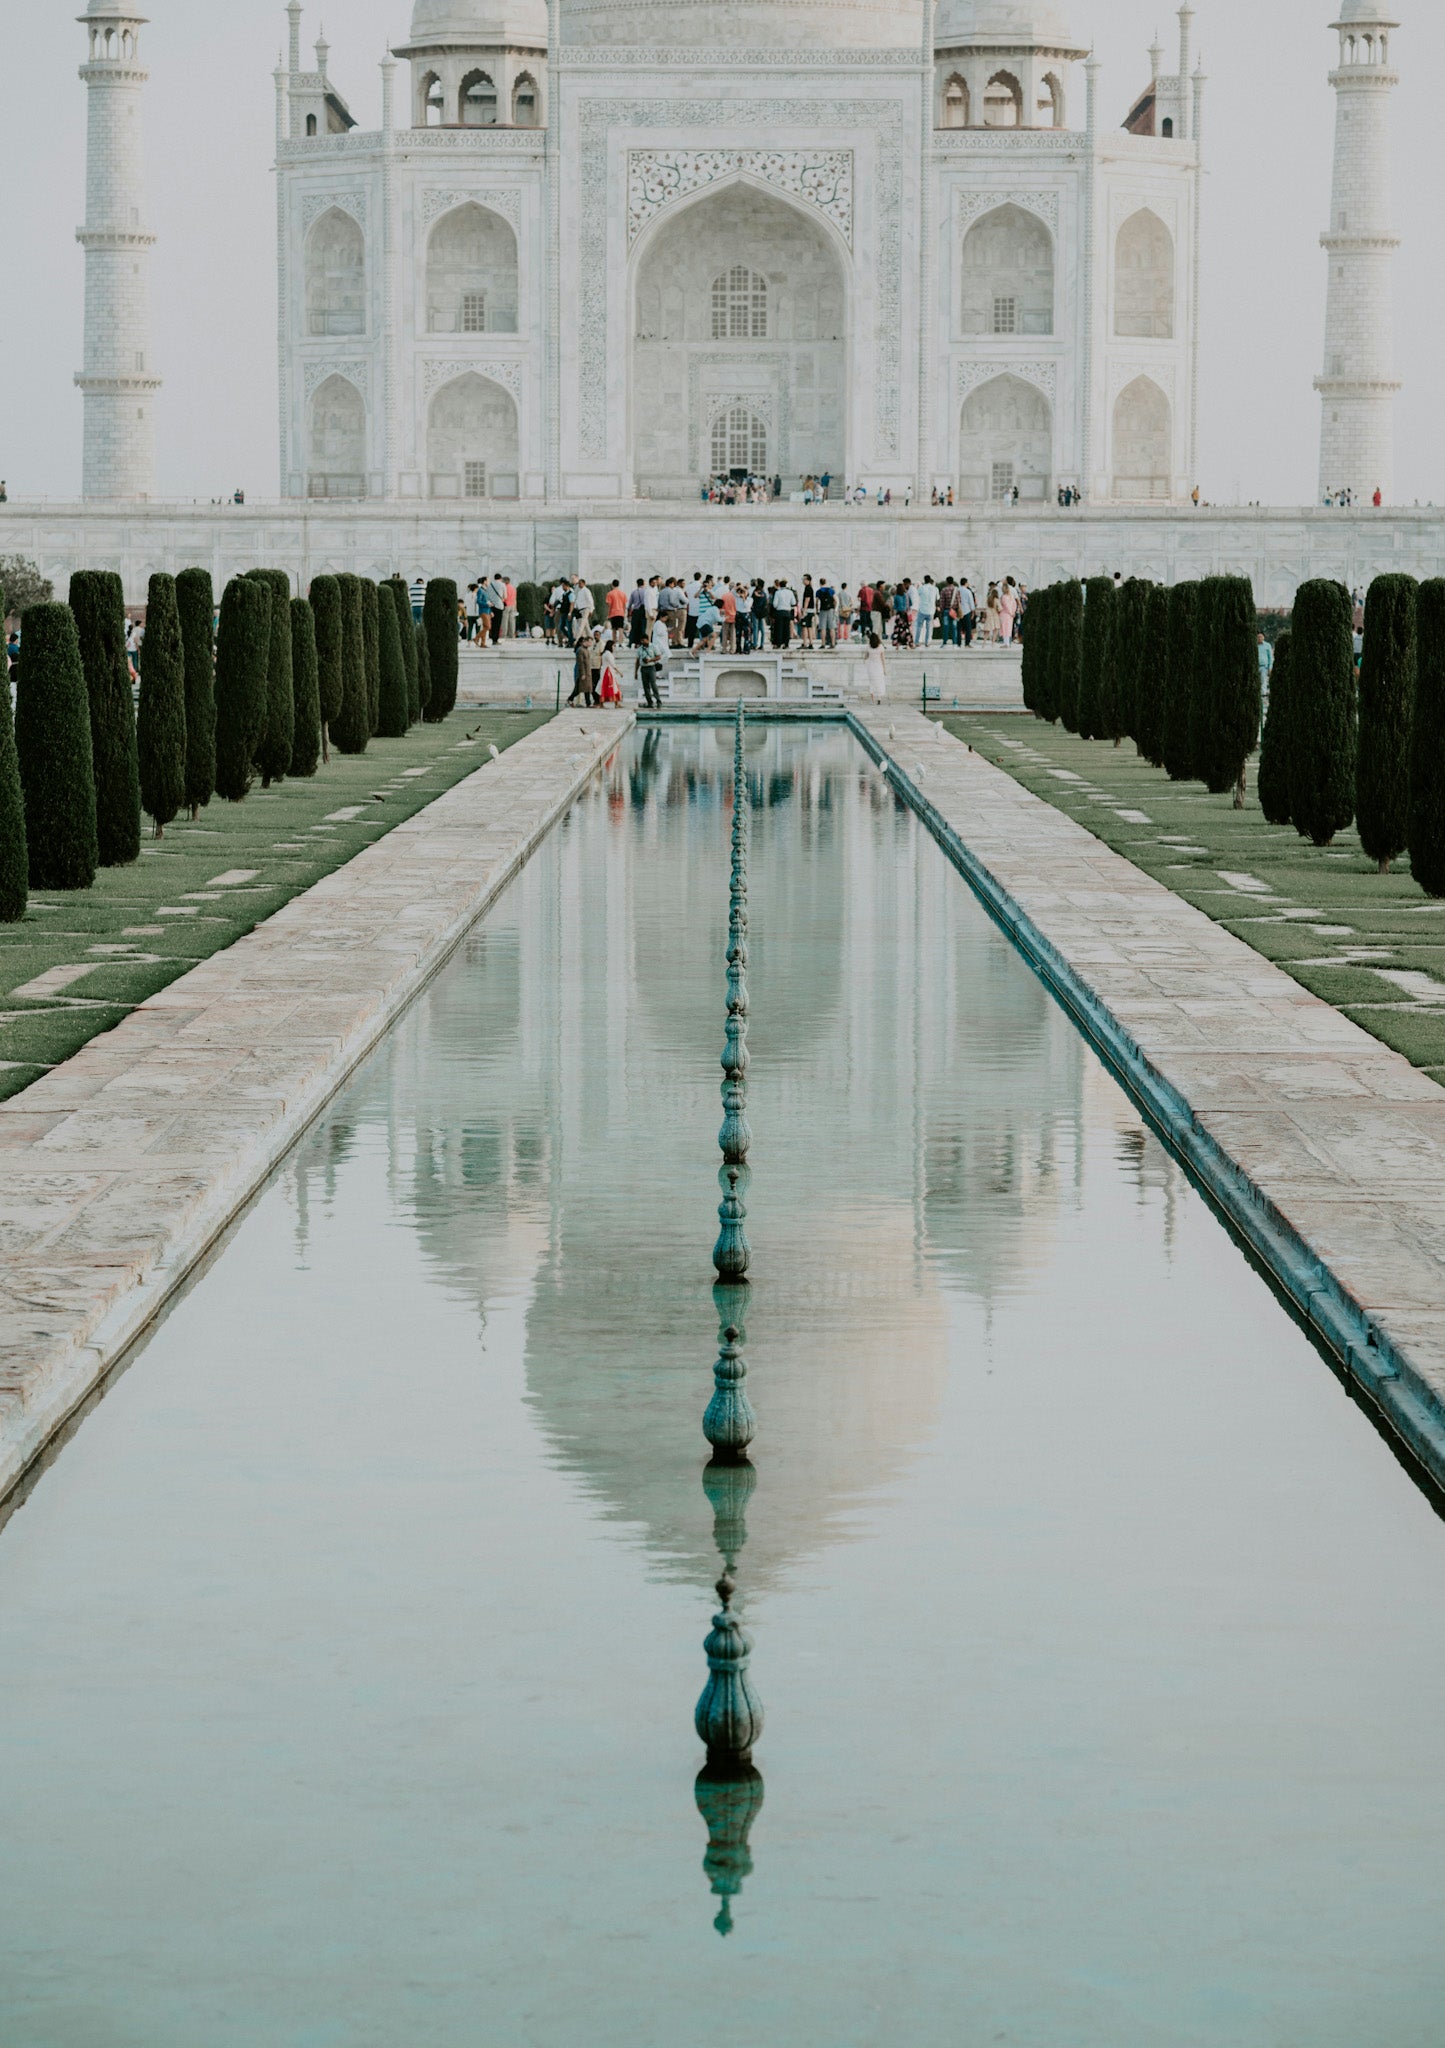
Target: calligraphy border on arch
(972,206)
(597,116)
(971,375)
(822,178)
(436,202)
(314,204)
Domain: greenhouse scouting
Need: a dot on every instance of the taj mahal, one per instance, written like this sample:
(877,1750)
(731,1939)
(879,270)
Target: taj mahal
(601,251)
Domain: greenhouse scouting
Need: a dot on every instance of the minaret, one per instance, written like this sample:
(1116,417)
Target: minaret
(1357,451)
(117,380)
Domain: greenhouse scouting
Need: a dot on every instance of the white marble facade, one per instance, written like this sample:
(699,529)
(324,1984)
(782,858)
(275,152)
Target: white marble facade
(601,249)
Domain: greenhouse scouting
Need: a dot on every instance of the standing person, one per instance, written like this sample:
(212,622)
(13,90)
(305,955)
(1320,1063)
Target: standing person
(967,611)
(948,612)
(807,613)
(554,613)
(616,606)
(992,617)
(926,602)
(865,609)
(637,615)
(649,669)
(483,614)
(649,601)
(827,601)
(609,690)
(902,615)
(845,613)
(785,604)
(1266,668)
(1008,611)
(875,669)
(728,606)
(509,606)
(693,599)
(579,605)
(418,596)
(582,670)
(760,612)
(708,617)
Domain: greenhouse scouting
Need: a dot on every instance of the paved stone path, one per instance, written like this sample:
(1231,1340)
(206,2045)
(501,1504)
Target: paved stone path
(1326,1148)
(122,1166)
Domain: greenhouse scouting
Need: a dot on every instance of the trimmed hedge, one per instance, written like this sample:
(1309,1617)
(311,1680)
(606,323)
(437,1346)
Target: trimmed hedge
(440,619)
(406,640)
(14,858)
(98,603)
(243,651)
(391,710)
(1043,610)
(1427,742)
(1387,710)
(531,607)
(196,604)
(1322,713)
(423,663)
(326,614)
(1027,665)
(1274,747)
(371,639)
(306,735)
(1179,682)
(161,723)
(1131,615)
(1149,689)
(351,727)
(1095,712)
(273,749)
(52,745)
(1226,681)
(1066,652)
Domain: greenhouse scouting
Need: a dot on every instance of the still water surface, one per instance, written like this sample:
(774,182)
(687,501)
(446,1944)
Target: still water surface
(348,1654)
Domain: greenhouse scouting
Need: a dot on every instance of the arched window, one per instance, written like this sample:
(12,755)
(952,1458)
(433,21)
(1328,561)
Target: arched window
(478,106)
(1051,102)
(739,305)
(524,101)
(310,124)
(1003,102)
(1143,430)
(1144,277)
(433,103)
(1007,275)
(739,441)
(471,273)
(337,451)
(955,103)
(472,440)
(1168,128)
(1006,435)
(336,276)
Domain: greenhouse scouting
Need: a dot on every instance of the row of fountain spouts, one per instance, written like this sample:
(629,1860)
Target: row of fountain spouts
(729,1717)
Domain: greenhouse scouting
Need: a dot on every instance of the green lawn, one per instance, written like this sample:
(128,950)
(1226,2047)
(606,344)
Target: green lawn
(96,953)
(1323,914)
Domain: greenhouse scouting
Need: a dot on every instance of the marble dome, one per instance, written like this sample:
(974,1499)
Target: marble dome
(478,21)
(1018,23)
(745,24)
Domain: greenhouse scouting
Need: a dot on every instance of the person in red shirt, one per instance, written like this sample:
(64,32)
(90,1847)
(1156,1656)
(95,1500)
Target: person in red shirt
(1379,497)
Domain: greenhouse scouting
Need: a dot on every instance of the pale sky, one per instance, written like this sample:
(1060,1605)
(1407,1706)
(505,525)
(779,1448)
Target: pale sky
(210,121)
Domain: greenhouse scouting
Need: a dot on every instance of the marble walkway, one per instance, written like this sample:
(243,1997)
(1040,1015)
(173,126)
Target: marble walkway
(120,1168)
(1326,1149)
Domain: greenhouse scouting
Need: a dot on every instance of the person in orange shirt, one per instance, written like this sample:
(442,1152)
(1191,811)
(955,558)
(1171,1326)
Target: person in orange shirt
(728,606)
(616,607)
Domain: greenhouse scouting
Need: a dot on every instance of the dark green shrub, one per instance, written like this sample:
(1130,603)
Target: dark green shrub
(1427,743)
(98,602)
(1152,676)
(531,605)
(391,717)
(1273,777)
(1322,714)
(406,641)
(306,738)
(273,749)
(326,614)
(423,663)
(1066,652)
(1387,710)
(1179,683)
(196,604)
(52,745)
(243,653)
(22,585)
(1226,675)
(161,723)
(1131,614)
(1038,622)
(1095,672)
(1027,665)
(351,728)
(599,603)
(14,859)
(371,635)
(440,620)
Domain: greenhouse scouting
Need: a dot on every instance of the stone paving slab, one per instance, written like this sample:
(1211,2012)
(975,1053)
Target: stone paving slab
(121,1167)
(1325,1149)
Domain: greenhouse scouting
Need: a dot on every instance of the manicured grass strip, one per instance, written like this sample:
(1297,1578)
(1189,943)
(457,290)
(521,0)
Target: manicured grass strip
(203,886)
(1323,914)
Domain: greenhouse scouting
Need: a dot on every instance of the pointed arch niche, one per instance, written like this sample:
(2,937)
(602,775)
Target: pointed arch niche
(335,275)
(1144,278)
(1143,441)
(740,305)
(336,441)
(472,441)
(1007,275)
(471,273)
(1005,441)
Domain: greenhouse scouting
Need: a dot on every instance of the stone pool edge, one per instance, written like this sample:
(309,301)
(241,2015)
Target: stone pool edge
(1368,1358)
(44,1382)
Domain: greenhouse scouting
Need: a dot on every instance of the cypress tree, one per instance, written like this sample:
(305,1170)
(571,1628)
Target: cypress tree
(1152,677)
(161,725)
(423,663)
(196,604)
(14,858)
(98,603)
(243,656)
(1322,715)
(1226,670)
(371,635)
(1201,677)
(440,620)
(1274,748)
(52,745)
(1066,647)
(326,615)
(1387,709)
(392,720)
(1027,670)
(531,605)
(1095,691)
(306,739)
(406,640)
(351,728)
(1038,626)
(1183,601)
(273,749)
(1427,742)
(1131,613)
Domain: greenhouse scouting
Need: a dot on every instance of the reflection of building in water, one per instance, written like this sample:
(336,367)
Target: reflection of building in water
(582,1165)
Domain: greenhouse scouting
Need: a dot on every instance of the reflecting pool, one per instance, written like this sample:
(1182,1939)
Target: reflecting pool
(348,1652)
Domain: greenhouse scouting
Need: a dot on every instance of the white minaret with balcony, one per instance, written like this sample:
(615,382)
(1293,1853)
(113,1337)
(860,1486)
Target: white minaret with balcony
(1358,387)
(118,379)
